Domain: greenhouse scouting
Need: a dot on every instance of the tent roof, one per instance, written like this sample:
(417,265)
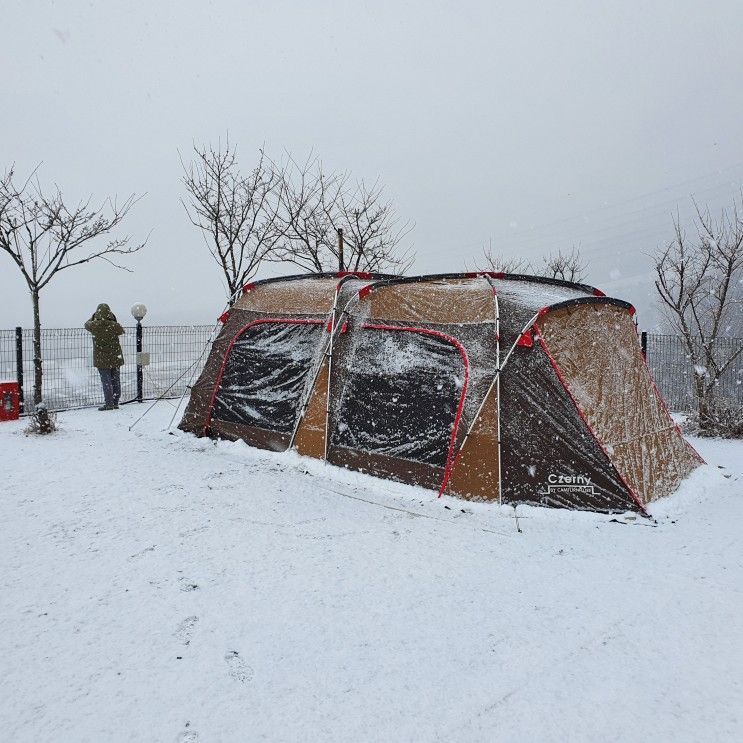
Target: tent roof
(519,295)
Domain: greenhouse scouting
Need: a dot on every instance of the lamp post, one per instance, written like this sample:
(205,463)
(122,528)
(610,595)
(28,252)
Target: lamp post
(138,313)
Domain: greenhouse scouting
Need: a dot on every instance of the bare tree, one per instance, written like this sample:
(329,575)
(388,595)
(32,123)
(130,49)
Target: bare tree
(308,202)
(237,215)
(699,281)
(499,263)
(315,205)
(372,231)
(565,266)
(44,235)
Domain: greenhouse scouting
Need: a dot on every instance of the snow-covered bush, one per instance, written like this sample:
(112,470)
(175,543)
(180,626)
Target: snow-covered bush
(723,418)
(42,420)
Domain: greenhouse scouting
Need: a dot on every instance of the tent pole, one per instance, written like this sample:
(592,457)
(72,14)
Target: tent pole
(328,354)
(496,380)
(305,404)
(336,324)
(497,386)
(495,383)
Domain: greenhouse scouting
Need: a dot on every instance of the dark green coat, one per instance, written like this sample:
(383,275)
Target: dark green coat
(106,331)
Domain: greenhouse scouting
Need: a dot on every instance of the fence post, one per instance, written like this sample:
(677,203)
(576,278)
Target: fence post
(19,364)
(644,344)
(139,356)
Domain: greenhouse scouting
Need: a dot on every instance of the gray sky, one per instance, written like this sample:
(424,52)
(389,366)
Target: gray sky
(537,125)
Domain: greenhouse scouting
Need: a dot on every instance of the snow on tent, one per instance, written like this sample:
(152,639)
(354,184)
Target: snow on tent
(491,387)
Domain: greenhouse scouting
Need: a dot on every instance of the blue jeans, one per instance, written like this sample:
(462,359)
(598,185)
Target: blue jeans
(111,381)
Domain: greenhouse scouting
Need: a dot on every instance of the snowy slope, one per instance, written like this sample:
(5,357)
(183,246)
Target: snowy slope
(157,587)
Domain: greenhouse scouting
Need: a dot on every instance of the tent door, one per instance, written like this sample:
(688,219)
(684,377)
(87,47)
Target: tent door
(264,374)
(402,389)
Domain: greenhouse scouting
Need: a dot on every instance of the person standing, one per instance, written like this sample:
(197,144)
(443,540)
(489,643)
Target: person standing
(108,357)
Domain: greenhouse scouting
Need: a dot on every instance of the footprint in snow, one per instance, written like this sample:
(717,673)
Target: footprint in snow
(237,667)
(188,736)
(187,585)
(151,548)
(185,629)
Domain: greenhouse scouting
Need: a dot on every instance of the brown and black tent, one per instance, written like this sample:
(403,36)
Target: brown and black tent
(493,387)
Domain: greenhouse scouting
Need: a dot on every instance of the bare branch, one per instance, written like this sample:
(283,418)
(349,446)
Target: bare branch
(565,266)
(43,234)
(700,286)
(236,215)
(315,204)
(499,263)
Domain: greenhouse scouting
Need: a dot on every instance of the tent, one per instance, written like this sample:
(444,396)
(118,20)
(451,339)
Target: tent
(488,386)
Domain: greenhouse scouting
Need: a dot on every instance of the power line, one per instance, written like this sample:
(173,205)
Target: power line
(583,231)
(588,236)
(645,195)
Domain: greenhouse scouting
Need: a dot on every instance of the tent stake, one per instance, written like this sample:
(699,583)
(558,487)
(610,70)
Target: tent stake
(516,517)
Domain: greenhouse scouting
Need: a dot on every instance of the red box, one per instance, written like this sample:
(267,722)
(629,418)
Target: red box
(10,401)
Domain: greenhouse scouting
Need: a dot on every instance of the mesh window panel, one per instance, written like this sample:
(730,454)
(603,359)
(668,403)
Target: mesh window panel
(265,375)
(400,396)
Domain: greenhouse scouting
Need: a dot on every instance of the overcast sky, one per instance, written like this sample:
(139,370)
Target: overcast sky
(534,125)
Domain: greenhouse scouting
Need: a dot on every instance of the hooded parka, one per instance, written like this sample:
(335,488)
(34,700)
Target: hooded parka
(106,330)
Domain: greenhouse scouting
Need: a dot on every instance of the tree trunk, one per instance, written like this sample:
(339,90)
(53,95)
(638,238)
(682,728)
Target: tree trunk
(703,405)
(232,289)
(37,347)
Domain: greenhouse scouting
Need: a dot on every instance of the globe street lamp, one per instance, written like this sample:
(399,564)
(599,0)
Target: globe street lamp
(138,313)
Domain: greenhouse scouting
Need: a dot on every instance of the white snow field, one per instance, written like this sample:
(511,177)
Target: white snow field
(159,587)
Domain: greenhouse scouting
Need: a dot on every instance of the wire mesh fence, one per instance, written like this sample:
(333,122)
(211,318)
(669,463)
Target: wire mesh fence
(674,372)
(177,355)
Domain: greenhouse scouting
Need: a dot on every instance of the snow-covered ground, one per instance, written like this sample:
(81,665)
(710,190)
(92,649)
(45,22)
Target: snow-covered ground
(157,587)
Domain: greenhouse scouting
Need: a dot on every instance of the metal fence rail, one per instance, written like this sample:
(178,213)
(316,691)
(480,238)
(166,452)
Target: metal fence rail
(177,353)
